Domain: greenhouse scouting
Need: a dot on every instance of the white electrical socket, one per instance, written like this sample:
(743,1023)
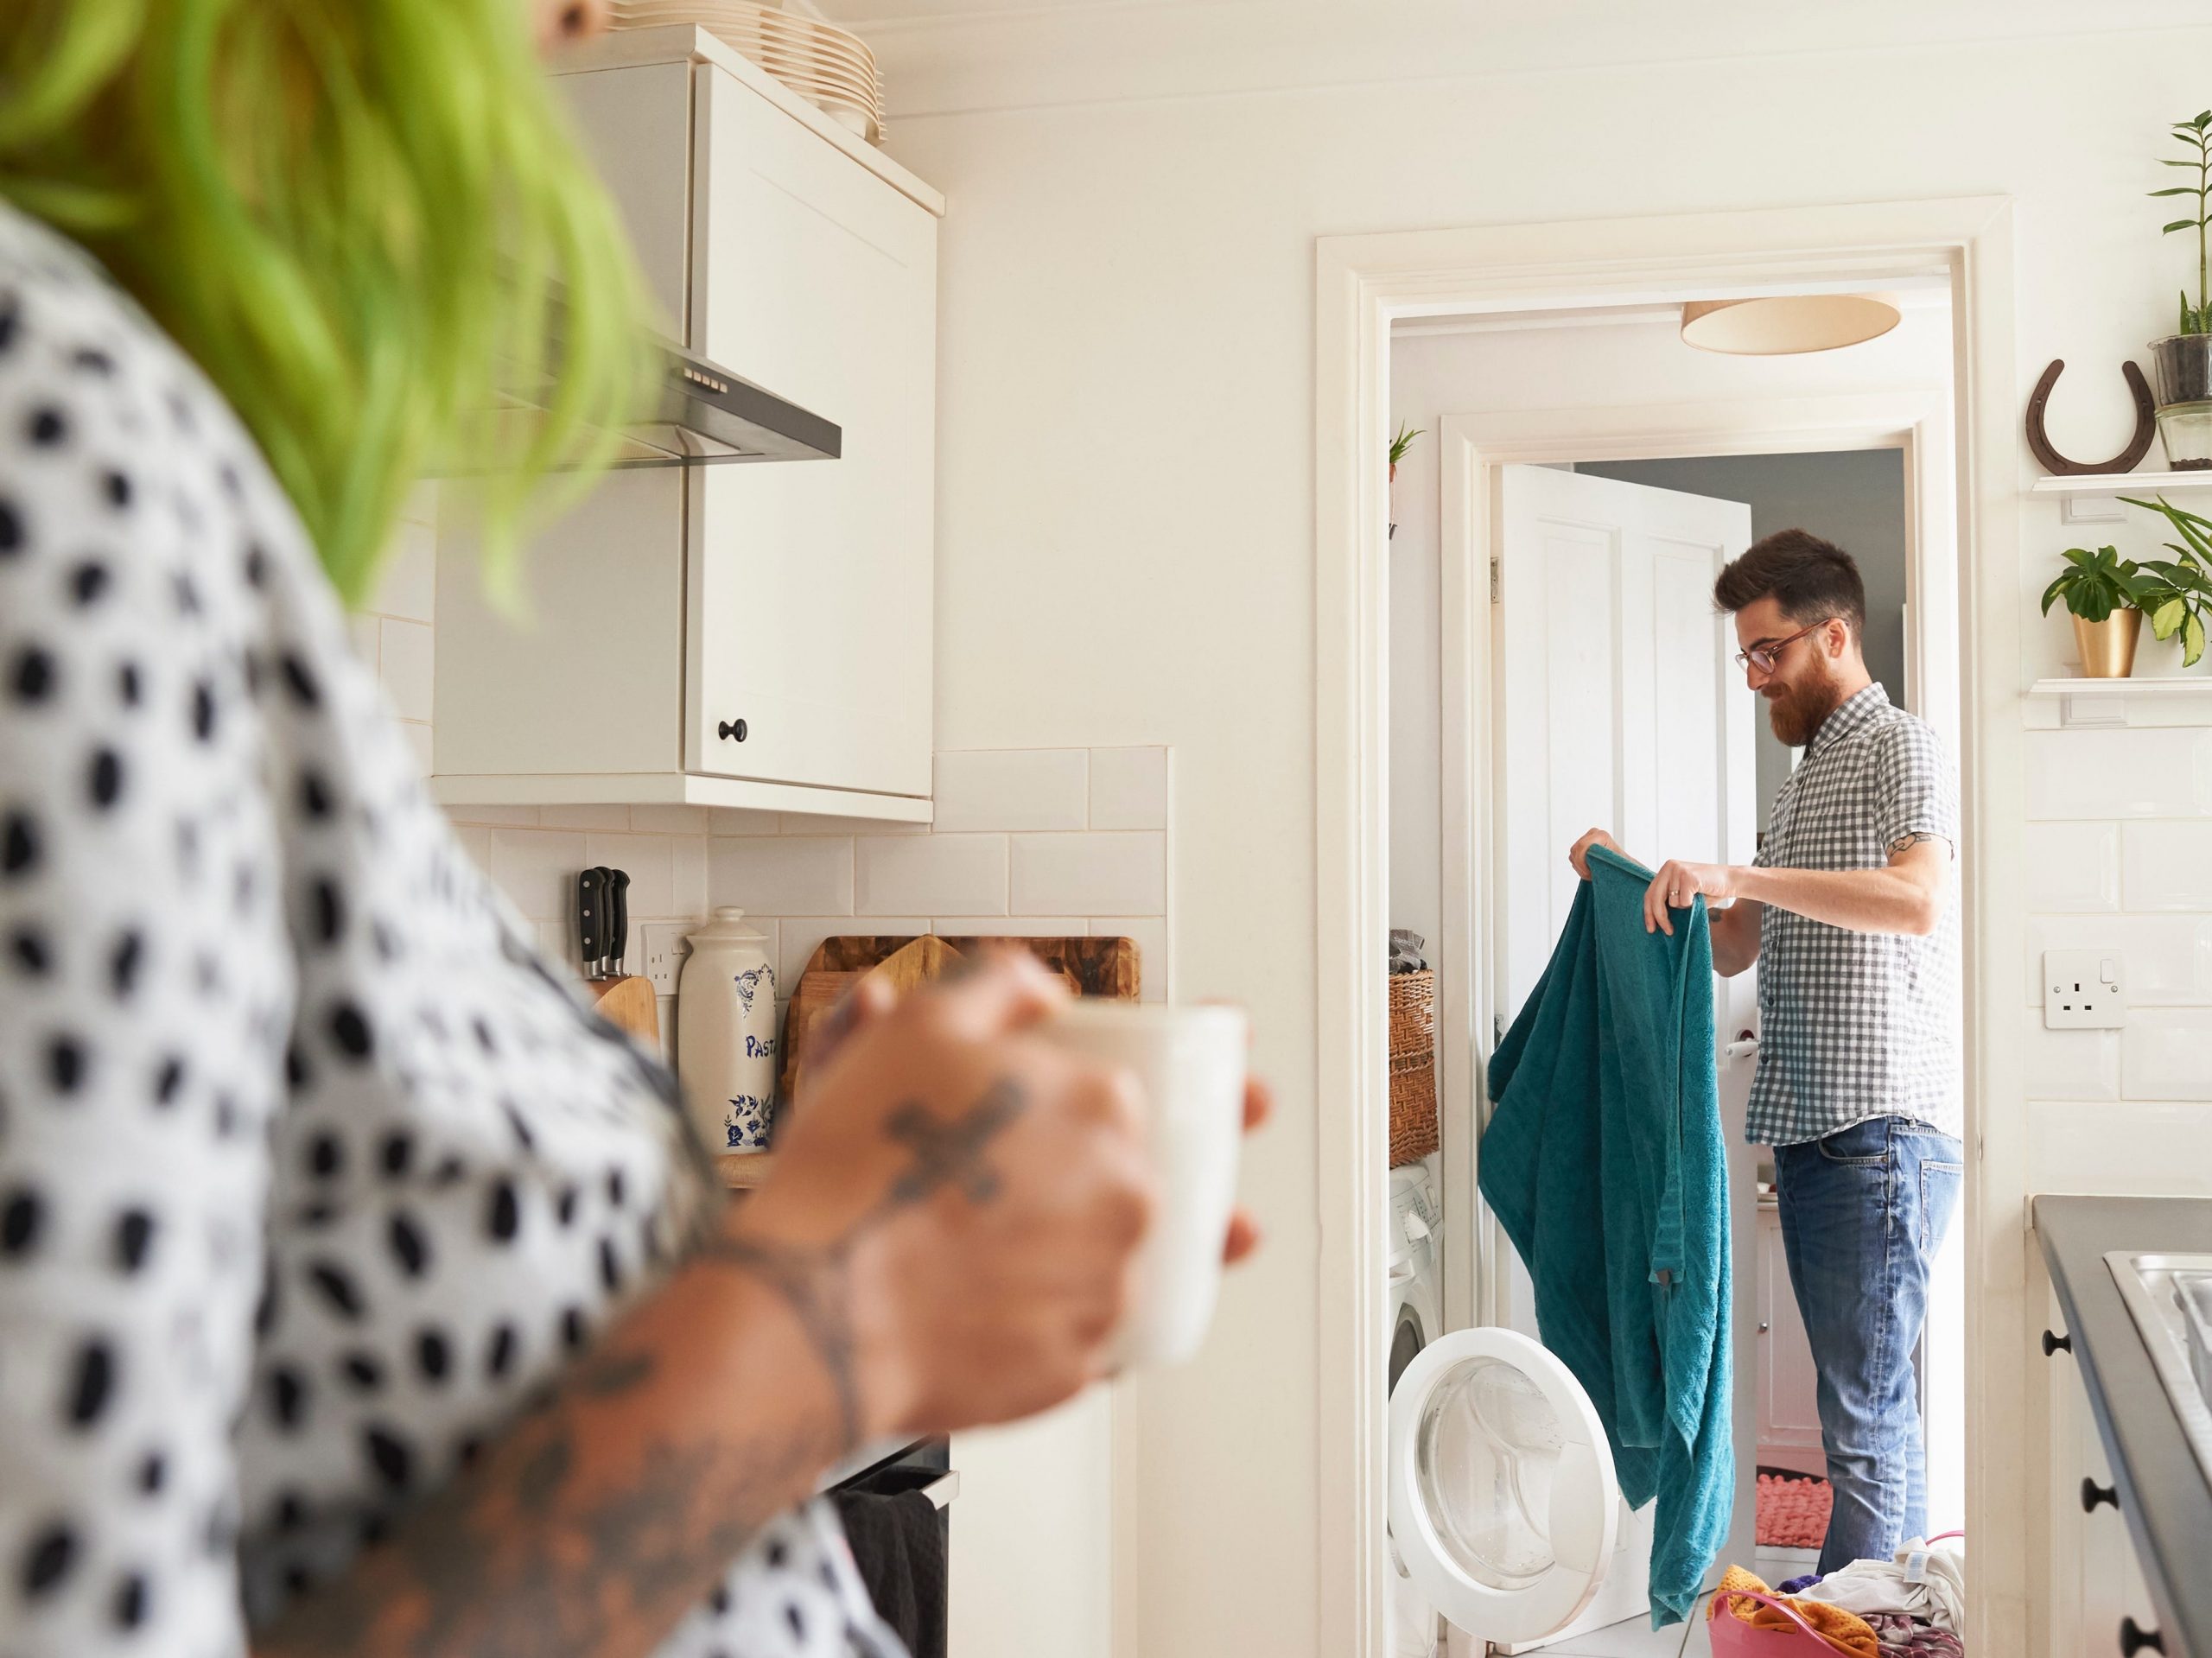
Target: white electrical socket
(665,947)
(2084,989)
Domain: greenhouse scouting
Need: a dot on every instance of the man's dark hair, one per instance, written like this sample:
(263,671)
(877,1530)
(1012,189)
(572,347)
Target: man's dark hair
(1812,579)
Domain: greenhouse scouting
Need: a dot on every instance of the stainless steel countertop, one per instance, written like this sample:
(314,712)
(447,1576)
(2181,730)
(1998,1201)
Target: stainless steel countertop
(2164,1496)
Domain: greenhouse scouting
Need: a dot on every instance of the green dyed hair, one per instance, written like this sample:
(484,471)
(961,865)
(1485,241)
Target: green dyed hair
(357,216)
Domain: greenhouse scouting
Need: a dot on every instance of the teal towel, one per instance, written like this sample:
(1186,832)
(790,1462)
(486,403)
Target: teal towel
(1604,1160)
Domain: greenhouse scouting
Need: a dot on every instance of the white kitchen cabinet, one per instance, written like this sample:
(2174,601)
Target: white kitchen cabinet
(742,635)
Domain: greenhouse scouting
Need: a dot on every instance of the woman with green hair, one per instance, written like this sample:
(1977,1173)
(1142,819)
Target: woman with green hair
(359,1293)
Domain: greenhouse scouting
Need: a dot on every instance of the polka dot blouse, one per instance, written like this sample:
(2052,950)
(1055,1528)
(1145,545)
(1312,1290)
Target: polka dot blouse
(310,1173)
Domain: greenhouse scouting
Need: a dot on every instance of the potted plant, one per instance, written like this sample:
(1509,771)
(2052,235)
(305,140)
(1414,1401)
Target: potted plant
(2181,364)
(2106,593)
(2179,603)
(1399,444)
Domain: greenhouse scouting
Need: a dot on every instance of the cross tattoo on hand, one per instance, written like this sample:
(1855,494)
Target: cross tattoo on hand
(951,1153)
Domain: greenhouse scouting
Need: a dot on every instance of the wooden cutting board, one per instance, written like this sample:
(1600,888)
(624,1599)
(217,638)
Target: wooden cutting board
(1091,967)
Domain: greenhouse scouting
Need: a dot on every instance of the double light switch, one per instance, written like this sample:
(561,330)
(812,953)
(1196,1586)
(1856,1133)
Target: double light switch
(2084,989)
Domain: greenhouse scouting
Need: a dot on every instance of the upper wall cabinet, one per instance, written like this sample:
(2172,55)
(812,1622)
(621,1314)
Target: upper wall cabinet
(754,634)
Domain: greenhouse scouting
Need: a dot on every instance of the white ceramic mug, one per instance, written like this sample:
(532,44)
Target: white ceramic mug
(1191,1064)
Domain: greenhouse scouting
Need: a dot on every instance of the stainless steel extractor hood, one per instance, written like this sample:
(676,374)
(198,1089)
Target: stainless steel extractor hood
(701,415)
(706,415)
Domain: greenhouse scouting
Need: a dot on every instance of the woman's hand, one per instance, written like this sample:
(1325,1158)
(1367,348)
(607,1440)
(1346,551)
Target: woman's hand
(957,1205)
(1577,854)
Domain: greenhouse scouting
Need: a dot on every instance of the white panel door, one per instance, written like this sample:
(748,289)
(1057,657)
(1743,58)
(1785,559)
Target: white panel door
(812,582)
(1790,1414)
(1617,708)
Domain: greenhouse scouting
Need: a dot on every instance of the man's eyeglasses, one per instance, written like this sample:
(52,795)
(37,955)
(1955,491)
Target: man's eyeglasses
(1766,655)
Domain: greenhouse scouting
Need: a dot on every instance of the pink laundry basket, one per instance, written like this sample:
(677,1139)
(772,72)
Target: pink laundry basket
(1733,1638)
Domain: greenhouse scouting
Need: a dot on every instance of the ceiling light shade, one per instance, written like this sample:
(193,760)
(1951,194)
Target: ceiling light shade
(1782,325)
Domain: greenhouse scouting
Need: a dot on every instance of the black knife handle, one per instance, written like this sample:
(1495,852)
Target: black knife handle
(618,919)
(591,917)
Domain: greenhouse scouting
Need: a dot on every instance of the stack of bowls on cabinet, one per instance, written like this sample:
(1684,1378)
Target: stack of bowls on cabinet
(830,67)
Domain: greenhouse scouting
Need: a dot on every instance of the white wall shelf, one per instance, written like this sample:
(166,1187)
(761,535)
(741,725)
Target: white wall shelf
(2164,700)
(2124,483)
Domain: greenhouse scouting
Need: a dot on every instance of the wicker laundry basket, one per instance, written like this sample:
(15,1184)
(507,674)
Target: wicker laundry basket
(1413,1067)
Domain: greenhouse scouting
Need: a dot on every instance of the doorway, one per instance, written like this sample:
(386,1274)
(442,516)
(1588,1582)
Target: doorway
(1365,283)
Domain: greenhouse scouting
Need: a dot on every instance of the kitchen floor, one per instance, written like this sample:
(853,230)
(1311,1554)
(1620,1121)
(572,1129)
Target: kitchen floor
(1637,1639)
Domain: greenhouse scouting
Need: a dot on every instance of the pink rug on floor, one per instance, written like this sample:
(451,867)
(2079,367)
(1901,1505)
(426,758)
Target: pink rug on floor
(1793,1512)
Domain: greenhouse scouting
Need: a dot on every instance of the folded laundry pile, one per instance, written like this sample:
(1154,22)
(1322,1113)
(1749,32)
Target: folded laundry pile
(1924,1582)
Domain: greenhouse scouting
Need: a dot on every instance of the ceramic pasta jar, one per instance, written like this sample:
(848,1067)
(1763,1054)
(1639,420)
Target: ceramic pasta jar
(726,1034)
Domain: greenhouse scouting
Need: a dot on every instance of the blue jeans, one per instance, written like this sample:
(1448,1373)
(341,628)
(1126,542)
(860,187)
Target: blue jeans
(1863,1212)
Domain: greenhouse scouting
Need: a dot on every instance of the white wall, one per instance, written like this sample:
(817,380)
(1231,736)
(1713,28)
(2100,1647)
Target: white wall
(1127,449)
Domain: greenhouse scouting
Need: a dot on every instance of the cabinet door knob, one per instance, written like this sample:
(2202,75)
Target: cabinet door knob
(2054,1343)
(1762,1326)
(2092,1494)
(730,729)
(2133,1638)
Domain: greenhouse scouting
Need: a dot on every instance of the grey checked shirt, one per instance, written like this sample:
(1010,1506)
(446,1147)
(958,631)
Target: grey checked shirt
(1857,1025)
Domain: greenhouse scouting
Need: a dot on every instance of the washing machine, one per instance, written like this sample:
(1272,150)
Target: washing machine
(1409,1624)
(1504,1513)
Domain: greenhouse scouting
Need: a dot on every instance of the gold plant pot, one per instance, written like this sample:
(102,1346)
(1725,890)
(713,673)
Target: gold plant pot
(2108,647)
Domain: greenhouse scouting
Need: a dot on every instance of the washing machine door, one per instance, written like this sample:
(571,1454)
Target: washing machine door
(1503,1500)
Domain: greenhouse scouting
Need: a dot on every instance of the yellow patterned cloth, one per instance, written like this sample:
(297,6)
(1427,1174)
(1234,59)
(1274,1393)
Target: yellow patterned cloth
(1847,1632)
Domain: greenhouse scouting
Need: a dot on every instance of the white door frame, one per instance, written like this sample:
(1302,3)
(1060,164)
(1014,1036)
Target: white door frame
(1362,284)
(1914,419)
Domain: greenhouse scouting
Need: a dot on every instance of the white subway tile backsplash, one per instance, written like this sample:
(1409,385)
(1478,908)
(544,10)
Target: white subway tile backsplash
(476,842)
(687,863)
(729,820)
(1129,788)
(771,875)
(605,820)
(538,868)
(2072,1064)
(1095,874)
(1009,926)
(557,942)
(405,656)
(963,874)
(2167,1054)
(2166,866)
(818,823)
(2168,957)
(2149,772)
(407,586)
(648,861)
(2073,867)
(1149,934)
(495,816)
(2103,1148)
(802,934)
(1012,789)
(669,820)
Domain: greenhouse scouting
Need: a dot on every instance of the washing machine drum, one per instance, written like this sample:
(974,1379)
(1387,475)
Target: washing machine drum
(1407,1337)
(1503,1501)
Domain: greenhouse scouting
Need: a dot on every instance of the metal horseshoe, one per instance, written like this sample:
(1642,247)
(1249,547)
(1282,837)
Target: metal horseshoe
(2058,464)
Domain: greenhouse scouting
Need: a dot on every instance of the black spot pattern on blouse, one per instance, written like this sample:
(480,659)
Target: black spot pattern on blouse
(278,1243)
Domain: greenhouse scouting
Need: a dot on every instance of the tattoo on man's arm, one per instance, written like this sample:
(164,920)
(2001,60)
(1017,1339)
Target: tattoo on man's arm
(1916,838)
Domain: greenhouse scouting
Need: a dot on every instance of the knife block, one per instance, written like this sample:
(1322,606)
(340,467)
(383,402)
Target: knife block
(628,1002)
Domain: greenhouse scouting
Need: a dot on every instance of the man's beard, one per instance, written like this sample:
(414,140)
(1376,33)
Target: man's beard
(1799,711)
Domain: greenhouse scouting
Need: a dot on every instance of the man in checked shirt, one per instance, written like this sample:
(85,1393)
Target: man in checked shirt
(1850,911)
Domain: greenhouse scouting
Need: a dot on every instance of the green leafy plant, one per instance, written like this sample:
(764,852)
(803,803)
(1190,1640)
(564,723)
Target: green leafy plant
(2179,600)
(2196,135)
(1401,442)
(2093,585)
